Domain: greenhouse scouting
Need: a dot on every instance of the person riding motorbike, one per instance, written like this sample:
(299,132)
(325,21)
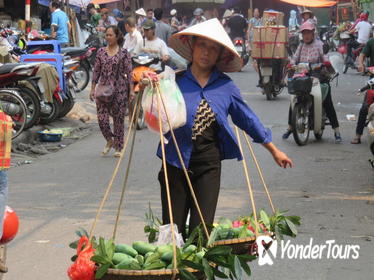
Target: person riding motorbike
(237,24)
(311,51)
(364,30)
(198,16)
(367,52)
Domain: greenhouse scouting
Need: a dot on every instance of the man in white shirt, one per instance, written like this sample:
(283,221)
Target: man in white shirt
(364,30)
(152,44)
(133,38)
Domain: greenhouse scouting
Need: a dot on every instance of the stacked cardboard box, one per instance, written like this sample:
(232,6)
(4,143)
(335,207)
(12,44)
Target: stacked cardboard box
(272,16)
(270,42)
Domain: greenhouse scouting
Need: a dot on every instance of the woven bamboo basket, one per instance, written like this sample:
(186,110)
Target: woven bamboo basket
(241,246)
(162,274)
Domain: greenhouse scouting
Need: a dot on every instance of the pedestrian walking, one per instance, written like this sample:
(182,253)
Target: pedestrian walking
(112,76)
(140,13)
(198,16)
(207,137)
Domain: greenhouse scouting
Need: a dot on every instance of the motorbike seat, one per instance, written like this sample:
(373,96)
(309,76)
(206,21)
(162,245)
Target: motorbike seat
(10,67)
(74,51)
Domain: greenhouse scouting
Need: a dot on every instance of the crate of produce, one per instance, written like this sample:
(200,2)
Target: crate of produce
(270,42)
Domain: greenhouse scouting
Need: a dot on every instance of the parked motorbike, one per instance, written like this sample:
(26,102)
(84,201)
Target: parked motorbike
(70,67)
(307,100)
(11,76)
(241,48)
(81,75)
(272,73)
(369,88)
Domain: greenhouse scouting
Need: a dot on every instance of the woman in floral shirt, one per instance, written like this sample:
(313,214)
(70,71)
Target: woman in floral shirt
(112,67)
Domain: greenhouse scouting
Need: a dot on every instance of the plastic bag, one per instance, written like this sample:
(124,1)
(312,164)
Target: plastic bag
(83,268)
(173,100)
(165,237)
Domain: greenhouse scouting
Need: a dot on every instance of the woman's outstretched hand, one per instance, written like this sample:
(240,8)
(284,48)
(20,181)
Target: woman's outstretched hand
(279,157)
(282,159)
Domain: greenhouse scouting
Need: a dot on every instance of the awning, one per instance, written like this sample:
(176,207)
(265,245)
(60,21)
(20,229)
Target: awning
(199,1)
(311,3)
(104,1)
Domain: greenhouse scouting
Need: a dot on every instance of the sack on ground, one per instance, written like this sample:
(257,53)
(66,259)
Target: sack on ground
(172,99)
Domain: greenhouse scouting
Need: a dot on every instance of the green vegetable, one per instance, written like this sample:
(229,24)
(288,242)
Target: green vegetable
(167,257)
(147,255)
(190,249)
(126,249)
(200,255)
(120,257)
(164,248)
(143,247)
(133,265)
(140,259)
(125,264)
(155,265)
(152,258)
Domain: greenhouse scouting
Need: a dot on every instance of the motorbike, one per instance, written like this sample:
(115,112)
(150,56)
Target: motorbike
(307,99)
(293,41)
(350,60)
(272,74)
(81,75)
(241,48)
(327,38)
(12,76)
(70,67)
(369,88)
(140,64)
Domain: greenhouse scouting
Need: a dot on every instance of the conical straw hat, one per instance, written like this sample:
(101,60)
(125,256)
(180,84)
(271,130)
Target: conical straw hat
(140,12)
(212,29)
(227,13)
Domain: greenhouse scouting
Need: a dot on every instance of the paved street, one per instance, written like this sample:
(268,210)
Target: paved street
(331,187)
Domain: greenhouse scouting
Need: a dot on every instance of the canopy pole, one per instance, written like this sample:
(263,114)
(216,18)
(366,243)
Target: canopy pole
(27,10)
(337,13)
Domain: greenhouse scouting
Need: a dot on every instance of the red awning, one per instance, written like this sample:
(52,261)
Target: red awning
(311,3)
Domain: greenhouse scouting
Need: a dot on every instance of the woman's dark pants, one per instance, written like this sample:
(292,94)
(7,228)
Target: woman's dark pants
(205,177)
(362,117)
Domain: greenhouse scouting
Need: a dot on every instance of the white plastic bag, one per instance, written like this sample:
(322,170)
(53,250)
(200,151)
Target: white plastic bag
(173,100)
(165,237)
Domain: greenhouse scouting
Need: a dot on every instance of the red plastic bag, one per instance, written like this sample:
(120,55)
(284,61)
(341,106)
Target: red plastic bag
(83,268)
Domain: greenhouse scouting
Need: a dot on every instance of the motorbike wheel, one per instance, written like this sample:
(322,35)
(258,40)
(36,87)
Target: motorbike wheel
(268,90)
(81,77)
(2,257)
(13,105)
(33,106)
(300,124)
(54,112)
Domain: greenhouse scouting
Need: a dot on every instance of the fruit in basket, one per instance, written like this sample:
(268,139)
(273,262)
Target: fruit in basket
(190,249)
(133,265)
(140,259)
(124,263)
(126,249)
(155,265)
(120,257)
(167,256)
(164,249)
(143,247)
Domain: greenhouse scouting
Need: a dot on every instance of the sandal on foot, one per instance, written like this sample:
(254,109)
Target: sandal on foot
(117,154)
(356,141)
(107,148)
